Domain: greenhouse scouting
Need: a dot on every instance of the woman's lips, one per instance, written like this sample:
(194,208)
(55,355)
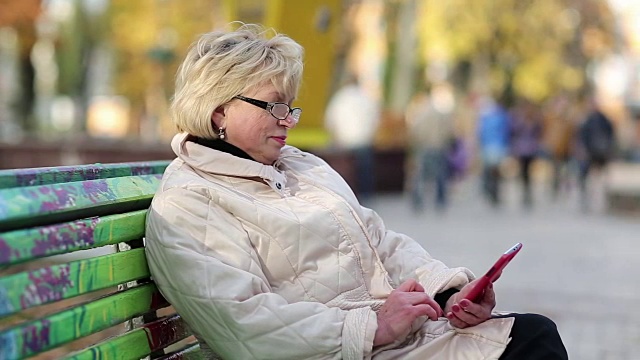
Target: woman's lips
(281,139)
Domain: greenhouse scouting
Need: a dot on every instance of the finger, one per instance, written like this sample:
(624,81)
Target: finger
(469,307)
(417,298)
(456,322)
(489,298)
(429,311)
(479,312)
(487,303)
(431,302)
(467,288)
(418,287)
(469,313)
(408,286)
(412,297)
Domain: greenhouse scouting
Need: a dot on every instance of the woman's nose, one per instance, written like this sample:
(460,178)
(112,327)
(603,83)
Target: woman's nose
(288,122)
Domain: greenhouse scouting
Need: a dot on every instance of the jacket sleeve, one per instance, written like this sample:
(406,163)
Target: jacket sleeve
(404,258)
(203,263)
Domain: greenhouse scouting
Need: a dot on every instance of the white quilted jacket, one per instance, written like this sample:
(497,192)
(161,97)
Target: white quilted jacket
(281,262)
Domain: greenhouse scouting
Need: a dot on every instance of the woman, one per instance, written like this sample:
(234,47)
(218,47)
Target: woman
(264,250)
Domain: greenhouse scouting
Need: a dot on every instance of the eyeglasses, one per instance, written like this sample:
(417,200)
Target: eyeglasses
(278,110)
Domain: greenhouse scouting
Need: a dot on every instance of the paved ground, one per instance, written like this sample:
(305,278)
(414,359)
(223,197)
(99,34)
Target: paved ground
(581,269)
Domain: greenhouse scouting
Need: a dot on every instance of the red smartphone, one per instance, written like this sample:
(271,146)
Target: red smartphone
(493,273)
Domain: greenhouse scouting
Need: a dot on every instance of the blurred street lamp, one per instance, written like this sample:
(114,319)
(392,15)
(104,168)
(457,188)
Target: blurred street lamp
(108,117)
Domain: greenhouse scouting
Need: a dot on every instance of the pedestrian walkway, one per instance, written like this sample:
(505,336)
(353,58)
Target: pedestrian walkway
(580,269)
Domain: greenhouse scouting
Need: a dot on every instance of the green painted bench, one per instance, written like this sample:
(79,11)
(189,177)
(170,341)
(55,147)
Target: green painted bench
(74,281)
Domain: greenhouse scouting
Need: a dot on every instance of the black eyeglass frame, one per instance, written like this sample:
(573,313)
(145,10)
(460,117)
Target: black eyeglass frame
(269,107)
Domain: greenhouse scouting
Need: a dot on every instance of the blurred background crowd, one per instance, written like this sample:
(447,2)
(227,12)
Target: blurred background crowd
(408,92)
(467,124)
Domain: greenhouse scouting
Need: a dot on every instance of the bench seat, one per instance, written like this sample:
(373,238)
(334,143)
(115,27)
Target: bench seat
(74,281)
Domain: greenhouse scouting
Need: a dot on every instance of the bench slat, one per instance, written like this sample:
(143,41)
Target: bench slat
(50,204)
(60,210)
(54,330)
(139,342)
(33,243)
(189,352)
(57,282)
(61,174)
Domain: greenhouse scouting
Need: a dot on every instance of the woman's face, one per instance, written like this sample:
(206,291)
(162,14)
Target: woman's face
(255,130)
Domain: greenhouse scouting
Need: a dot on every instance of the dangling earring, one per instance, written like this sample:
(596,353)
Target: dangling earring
(222,133)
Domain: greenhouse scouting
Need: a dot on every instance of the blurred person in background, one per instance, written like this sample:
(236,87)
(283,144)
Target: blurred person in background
(597,141)
(493,141)
(558,138)
(525,135)
(265,251)
(635,147)
(457,159)
(352,118)
(430,135)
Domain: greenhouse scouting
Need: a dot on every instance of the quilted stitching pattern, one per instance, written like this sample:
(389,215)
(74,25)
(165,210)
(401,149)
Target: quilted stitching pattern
(247,265)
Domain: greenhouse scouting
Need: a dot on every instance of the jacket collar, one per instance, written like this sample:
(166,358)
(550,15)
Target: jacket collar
(220,145)
(218,162)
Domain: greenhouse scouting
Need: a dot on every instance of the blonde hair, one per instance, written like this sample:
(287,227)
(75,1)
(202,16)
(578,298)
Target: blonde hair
(223,64)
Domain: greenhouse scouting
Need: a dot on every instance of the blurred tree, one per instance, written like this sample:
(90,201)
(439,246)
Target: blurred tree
(21,15)
(513,48)
(399,78)
(79,36)
(148,36)
(391,15)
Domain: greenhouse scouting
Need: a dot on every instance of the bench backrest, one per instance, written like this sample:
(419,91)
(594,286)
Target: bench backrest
(74,280)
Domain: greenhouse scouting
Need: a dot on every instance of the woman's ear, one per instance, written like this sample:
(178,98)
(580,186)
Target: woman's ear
(218,117)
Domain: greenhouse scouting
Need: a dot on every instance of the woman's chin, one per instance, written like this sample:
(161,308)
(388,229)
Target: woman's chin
(269,159)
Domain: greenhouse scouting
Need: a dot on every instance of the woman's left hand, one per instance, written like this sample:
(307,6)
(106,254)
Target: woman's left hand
(463,313)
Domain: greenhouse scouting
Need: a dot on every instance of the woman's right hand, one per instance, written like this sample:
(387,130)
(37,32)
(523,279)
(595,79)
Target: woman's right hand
(402,307)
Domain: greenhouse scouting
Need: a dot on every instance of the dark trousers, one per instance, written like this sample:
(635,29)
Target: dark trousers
(491,180)
(534,337)
(365,172)
(586,167)
(525,178)
(430,167)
